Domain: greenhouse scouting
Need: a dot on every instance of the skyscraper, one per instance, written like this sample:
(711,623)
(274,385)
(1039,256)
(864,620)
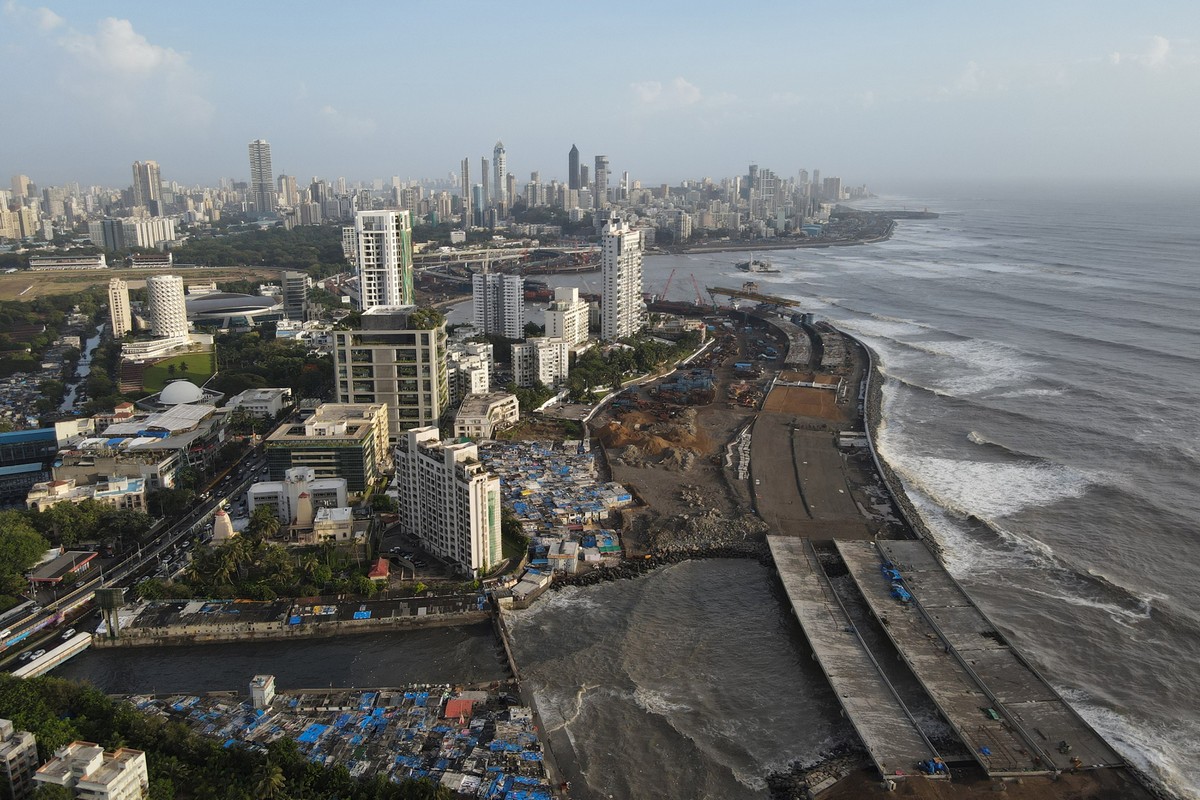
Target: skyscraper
(483,175)
(621,272)
(383,242)
(500,165)
(465,188)
(600,193)
(573,168)
(499,304)
(262,184)
(168,309)
(147,186)
(118,308)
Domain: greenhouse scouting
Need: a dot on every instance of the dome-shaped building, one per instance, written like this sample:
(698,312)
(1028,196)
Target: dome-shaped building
(179,392)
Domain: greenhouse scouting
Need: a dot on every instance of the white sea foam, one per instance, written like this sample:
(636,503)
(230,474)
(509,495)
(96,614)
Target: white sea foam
(1032,393)
(1167,752)
(990,490)
(658,702)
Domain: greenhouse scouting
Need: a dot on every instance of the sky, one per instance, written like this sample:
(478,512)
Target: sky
(882,93)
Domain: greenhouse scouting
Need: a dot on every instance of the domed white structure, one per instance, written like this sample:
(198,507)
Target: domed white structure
(179,392)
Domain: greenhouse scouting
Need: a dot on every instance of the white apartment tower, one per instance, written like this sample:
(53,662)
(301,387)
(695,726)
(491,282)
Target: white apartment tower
(449,500)
(262,184)
(567,316)
(499,304)
(118,308)
(541,359)
(383,252)
(500,178)
(621,306)
(600,192)
(168,310)
(147,186)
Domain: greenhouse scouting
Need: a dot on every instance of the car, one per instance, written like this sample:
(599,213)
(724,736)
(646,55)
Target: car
(68,633)
(4,634)
(25,656)
(35,609)
(38,653)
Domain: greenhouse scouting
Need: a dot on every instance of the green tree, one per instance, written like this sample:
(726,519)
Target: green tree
(263,522)
(51,791)
(270,781)
(21,546)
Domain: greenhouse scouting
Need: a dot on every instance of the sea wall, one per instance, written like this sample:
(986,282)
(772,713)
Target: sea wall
(259,631)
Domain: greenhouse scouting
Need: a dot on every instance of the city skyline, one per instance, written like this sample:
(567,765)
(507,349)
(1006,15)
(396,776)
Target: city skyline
(872,93)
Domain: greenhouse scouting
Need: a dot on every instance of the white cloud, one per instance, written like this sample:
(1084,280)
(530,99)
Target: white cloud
(117,48)
(43,18)
(1155,56)
(348,126)
(678,93)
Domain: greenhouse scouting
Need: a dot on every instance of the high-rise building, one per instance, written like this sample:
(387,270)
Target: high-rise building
(295,287)
(600,191)
(541,359)
(584,185)
(18,761)
(449,500)
(621,306)
(573,168)
(118,308)
(107,234)
(500,167)
(397,357)
(92,773)
(465,188)
(499,304)
(168,309)
(484,178)
(21,187)
(340,440)
(262,184)
(383,254)
(289,191)
(567,316)
(147,186)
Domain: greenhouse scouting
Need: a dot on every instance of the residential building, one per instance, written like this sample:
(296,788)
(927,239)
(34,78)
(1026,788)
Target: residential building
(262,184)
(468,370)
(465,188)
(97,775)
(499,304)
(541,359)
(500,176)
(600,190)
(120,318)
(567,316)
(481,414)
(117,492)
(262,690)
(167,307)
(261,403)
(18,761)
(295,294)
(382,251)
(284,497)
(622,308)
(398,358)
(449,500)
(107,234)
(147,186)
(339,440)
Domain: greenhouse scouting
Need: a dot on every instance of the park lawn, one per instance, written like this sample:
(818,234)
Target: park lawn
(200,367)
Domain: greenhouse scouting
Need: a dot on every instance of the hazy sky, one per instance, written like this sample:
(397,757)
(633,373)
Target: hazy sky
(880,92)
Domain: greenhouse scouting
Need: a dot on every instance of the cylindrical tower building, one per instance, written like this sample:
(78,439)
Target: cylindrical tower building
(168,310)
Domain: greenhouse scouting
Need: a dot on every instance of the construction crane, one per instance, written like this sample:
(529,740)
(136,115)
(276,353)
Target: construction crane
(667,285)
(696,286)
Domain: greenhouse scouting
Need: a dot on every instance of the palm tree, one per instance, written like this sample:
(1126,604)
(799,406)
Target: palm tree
(271,781)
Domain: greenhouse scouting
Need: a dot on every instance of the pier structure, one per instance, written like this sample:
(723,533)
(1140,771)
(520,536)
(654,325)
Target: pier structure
(894,742)
(1009,716)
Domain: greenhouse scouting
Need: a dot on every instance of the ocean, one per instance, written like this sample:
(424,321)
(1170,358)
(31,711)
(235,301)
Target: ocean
(1042,360)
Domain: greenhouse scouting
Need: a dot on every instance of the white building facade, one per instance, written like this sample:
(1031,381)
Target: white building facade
(498,303)
(119,314)
(300,490)
(541,359)
(567,316)
(382,246)
(167,306)
(449,500)
(622,311)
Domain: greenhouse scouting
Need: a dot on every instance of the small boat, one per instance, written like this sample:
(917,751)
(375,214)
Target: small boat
(756,265)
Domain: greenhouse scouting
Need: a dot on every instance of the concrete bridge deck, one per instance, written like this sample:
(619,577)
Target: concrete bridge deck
(884,725)
(967,667)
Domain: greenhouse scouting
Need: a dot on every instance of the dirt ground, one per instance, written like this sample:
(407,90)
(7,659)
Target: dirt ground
(26,285)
